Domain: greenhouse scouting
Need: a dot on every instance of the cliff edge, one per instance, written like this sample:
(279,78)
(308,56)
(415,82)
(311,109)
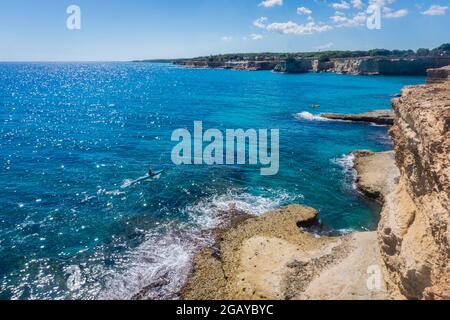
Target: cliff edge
(414,232)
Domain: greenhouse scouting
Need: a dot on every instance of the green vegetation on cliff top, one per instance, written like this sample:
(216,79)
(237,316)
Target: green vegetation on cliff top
(443,50)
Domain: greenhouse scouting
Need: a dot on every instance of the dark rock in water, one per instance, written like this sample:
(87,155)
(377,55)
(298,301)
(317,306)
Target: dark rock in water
(383,117)
(310,223)
(313,225)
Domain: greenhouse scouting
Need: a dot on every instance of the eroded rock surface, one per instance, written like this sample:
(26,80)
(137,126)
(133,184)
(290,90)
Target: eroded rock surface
(376,173)
(438,75)
(383,117)
(414,232)
(270,257)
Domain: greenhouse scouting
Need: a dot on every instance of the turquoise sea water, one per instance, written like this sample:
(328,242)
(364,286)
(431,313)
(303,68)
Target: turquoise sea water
(72,134)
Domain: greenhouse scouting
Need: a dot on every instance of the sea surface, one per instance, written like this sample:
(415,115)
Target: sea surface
(73,135)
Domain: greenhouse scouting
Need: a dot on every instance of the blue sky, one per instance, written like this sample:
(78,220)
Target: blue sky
(138,29)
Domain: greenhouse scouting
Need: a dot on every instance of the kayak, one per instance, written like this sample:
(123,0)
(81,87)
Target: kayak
(155,176)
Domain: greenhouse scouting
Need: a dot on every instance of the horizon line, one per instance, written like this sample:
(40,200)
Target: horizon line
(199,56)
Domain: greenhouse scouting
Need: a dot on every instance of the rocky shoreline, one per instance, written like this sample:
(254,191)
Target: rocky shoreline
(275,256)
(279,256)
(270,257)
(355,65)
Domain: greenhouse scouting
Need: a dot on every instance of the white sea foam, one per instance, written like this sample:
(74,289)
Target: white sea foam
(161,264)
(347,163)
(114,193)
(378,125)
(344,232)
(126,183)
(310,117)
(207,212)
(157,269)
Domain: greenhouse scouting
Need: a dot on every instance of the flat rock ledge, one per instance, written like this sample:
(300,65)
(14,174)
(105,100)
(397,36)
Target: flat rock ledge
(377,173)
(271,257)
(381,117)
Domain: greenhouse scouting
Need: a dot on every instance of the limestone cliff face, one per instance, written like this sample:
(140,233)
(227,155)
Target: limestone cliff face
(364,65)
(252,65)
(295,66)
(438,75)
(385,66)
(355,66)
(358,66)
(414,232)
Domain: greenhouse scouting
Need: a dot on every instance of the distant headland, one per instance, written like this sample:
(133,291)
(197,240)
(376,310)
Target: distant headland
(372,62)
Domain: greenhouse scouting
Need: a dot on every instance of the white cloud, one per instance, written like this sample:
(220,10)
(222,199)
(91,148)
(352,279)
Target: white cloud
(388,12)
(435,10)
(256,37)
(357,4)
(260,22)
(227,38)
(341,20)
(391,14)
(325,46)
(381,3)
(271,3)
(304,10)
(343,5)
(299,29)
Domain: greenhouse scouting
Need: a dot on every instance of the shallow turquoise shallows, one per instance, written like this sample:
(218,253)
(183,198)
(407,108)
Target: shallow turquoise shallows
(73,135)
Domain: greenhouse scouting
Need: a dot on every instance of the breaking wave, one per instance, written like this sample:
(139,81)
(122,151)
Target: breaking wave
(310,117)
(347,163)
(160,266)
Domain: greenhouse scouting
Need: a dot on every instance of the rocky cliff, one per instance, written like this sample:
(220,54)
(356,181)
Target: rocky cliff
(414,231)
(295,66)
(357,66)
(438,75)
(387,66)
(248,65)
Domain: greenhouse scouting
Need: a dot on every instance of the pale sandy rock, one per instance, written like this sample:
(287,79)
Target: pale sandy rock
(223,265)
(357,277)
(438,75)
(414,232)
(270,257)
(376,173)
